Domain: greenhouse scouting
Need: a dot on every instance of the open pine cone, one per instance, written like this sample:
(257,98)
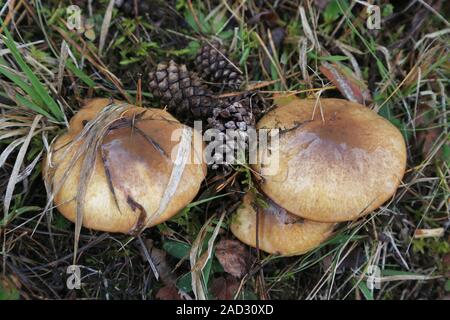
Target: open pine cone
(232,116)
(189,99)
(183,91)
(233,120)
(213,65)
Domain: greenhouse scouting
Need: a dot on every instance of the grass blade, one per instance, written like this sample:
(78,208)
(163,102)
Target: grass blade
(39,89)
(18,163)
(30,105)
(80,74)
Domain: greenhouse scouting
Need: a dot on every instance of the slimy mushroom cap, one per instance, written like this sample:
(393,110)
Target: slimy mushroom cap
(279,232)
(336,161)
(134,181)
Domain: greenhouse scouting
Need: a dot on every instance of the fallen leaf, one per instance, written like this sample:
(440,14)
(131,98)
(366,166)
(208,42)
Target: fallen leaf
(427,139)
(268,16)
(233,256)
(348,84)
(168,293)
(224,288)
(423,65)
(159,259)
(424,115)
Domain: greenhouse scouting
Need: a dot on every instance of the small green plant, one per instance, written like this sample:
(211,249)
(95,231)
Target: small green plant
(39,100)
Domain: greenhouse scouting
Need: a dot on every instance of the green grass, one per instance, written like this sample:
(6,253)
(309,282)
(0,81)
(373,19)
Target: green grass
(40,100)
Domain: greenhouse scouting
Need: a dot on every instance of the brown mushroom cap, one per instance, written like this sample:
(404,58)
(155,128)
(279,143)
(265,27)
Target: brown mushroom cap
(337,159)
(279,231)
(131,171)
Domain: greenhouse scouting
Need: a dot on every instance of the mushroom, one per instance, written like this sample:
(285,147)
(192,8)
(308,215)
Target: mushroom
(279,232)
(337,160)
(135,181)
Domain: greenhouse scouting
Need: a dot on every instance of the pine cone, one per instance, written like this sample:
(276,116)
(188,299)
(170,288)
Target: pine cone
(239,119)
(234,116)
(185,94)
(212,65)
(189,99)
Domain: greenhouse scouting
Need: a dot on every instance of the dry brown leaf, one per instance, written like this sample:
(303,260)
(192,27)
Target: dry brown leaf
(424,63)
(224,288)
(268,16)
(348,84)
(168,293)
(159,259)
(424,115)
(233,256)
(427,139)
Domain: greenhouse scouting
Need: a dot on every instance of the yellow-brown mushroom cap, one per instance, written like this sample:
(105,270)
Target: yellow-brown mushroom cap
(337,160)
(130,176)
(279,232)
